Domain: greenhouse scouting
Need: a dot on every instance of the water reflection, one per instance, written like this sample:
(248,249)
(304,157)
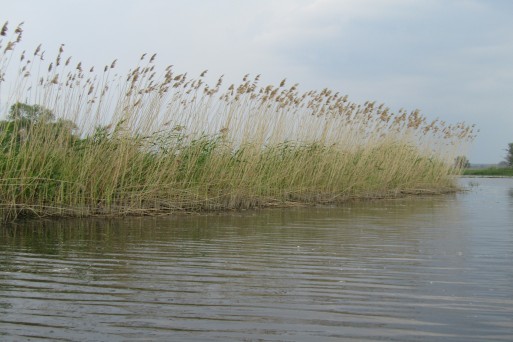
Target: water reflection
(53,236)
(411,269)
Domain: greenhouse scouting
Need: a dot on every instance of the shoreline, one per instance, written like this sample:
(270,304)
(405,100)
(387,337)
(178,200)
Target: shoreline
(489,172)
(87,213)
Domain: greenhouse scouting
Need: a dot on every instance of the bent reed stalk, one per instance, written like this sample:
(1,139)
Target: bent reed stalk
(78,143)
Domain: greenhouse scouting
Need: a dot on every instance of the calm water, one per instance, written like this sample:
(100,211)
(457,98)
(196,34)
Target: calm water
(433,269)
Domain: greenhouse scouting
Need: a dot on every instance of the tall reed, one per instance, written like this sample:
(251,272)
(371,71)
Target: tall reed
(77,142)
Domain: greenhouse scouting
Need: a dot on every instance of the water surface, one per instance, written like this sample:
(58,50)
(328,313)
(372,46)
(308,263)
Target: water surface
(429,269)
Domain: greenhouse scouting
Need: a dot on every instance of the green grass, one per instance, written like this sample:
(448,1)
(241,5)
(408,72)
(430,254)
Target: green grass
(491,171)
(80,143)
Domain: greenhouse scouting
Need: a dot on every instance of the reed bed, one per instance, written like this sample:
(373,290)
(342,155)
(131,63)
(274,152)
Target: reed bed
(79,142)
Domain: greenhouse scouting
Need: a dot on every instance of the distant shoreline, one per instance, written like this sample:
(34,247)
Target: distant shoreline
(490,171)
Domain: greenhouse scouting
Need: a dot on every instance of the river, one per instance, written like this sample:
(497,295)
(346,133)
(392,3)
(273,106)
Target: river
(416,269)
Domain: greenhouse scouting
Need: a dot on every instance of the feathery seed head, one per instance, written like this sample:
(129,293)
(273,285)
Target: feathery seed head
(9,47)
(37,50)
(3,31)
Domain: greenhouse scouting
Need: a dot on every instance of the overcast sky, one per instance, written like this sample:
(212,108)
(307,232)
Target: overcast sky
(452,59)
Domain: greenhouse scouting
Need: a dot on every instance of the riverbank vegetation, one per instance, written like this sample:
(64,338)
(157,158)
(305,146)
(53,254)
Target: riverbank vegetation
(490,171)
(77,142)
(503,169)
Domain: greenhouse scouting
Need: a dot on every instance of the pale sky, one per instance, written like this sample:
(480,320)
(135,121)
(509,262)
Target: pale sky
(452,59)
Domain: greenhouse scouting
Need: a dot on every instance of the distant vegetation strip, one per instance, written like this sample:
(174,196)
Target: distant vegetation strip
(77,142)
(491,171)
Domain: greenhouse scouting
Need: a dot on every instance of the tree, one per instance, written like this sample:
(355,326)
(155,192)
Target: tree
(30,113)
(23,119)
(509,155)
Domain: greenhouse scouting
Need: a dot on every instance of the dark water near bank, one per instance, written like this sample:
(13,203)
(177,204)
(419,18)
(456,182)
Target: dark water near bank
(433,269)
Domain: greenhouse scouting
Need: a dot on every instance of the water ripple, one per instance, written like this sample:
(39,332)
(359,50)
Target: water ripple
(423,270)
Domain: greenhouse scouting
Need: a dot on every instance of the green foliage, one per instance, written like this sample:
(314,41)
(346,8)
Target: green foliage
(492,171)
(100,135)
(9,134)
(24,120)
(194,157)
(30,113)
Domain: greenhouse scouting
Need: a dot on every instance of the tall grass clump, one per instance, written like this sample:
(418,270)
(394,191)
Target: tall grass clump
(76,142)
